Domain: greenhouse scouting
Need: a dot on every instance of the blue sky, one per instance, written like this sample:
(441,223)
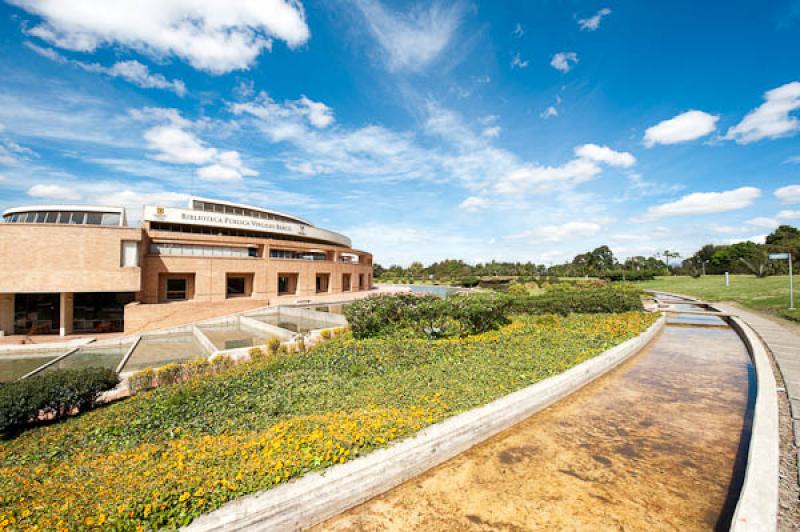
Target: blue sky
(475,130)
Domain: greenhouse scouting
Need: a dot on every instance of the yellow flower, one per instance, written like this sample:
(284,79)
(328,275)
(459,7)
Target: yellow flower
(185,496)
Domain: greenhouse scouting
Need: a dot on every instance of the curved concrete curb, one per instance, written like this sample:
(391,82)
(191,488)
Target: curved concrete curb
(318,496)
(757,508)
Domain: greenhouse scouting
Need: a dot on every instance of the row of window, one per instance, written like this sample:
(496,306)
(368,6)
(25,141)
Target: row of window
(227,231)
(195,250)
(206,206)
(65,217)
(296,255)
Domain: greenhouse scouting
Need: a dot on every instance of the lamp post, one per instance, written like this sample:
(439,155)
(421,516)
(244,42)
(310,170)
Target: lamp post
(786,256)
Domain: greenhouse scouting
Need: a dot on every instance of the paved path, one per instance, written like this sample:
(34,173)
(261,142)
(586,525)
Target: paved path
(785,346)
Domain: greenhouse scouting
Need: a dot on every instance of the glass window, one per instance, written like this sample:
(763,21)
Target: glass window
(110,218)
(283,284)
(94,218)
(130,254)
(176,289)
(252,252)
(63,217)
(14,218)
(235,286)
(77,217)
(51,218)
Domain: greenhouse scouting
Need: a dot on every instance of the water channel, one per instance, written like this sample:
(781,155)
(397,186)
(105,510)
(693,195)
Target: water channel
(659,443)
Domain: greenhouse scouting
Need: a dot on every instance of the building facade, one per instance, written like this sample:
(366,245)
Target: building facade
(69,269)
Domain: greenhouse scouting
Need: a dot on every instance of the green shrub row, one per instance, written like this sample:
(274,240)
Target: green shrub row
(589,300)
(427,316)
(629,275)
(52,395)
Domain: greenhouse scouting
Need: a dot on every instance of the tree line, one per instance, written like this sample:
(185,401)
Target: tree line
(740,257)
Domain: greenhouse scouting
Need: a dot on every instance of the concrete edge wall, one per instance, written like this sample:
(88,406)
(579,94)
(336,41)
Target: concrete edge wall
(757,507)
(318,496)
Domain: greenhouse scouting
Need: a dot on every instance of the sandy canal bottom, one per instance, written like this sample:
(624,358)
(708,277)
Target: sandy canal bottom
(652,445)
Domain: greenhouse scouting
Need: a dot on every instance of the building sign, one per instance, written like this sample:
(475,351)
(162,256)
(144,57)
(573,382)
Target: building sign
(778,256)
(191,217)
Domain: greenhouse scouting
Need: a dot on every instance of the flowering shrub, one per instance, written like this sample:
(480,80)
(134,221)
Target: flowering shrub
(163,457)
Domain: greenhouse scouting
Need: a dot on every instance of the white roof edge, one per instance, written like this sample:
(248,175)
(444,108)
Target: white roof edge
(86,208)
(192,199)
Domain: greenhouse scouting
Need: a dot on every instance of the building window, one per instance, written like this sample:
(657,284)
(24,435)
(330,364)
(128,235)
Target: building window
(287,284)
(235,286)
(323,282)
(345,282)
(94,218)
(130,254)
(195,250)
(110,218)
(176,289)
(288,254)
(360,281)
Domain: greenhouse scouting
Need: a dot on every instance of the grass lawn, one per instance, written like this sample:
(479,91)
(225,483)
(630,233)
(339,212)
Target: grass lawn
(770,294)
(164,457)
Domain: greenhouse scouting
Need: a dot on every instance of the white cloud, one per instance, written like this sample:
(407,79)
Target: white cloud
(706,203)
(53,192)
(518,31)
(772,119)
(536,178)
(604,154)
(788,215)
(210,35)
(763,221)
(491,132)
(592,23)
(474,203)
(174,144)
(517,62)
(681,128)
(788,194)
(564,61)
(218,172)
(131,71)
(3,178)
(549,112)
(557,233)
(414,39)
(138,74)
(319,114)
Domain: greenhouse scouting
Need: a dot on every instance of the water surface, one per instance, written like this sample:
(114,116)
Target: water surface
(653,445)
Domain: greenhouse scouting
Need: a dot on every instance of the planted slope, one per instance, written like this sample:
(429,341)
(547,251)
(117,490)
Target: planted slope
(165,457)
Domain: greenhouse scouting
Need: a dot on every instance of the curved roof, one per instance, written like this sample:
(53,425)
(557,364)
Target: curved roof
(292,217)
(68,208)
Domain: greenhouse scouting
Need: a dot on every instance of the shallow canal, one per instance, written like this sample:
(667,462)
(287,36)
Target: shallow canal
(654,444)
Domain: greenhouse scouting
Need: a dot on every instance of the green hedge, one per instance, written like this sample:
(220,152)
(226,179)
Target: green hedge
(427,315)
(52,395)
(566,300)
(629,275)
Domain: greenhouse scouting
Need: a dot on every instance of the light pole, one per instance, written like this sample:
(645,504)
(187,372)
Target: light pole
(704,267)
(786,256)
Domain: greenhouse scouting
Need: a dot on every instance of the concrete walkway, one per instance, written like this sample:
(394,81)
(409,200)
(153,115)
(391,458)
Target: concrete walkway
(784,344)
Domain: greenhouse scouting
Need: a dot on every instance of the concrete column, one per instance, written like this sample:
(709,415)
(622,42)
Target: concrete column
(6,314)
(65,309)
